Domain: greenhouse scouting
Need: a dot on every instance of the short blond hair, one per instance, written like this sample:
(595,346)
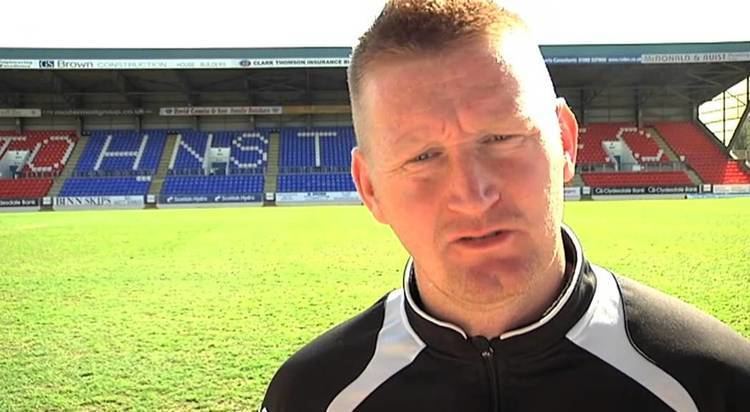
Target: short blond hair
(414,27)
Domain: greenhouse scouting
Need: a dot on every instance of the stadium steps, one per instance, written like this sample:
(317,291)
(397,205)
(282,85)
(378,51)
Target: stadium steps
(742,157)
(693,176)
(272,166)
(659,139)
(70,166)
(743,163)
(161,172)
(740,154)
(713,138)
(576,181)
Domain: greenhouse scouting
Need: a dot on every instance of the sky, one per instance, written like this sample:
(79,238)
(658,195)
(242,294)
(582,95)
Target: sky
(338,23)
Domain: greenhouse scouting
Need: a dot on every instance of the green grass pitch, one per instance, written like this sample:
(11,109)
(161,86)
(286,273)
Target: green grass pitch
(195,309)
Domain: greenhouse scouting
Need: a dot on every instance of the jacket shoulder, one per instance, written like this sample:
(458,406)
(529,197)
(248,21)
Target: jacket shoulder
(312,377)
(707,357)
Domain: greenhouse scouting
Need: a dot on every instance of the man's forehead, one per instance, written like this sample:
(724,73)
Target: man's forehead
(470,65)
(411,92)
(493,84)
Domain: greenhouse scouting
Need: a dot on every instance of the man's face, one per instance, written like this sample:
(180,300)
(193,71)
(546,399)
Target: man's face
(463,159)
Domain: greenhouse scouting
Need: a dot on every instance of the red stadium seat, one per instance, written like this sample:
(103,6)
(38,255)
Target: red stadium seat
(643,146)
(708,160)
(636,179)
(24,188)
(590,140)
(50,150)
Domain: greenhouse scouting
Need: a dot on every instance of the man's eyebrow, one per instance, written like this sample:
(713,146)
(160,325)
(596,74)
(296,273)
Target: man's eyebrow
(497,109)
(506,123)
(417,139)
(412,139)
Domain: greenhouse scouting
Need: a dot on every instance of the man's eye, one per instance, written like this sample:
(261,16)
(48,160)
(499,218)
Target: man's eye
(498,138)
(425,156)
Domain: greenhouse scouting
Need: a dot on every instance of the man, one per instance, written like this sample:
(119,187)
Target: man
(463,150)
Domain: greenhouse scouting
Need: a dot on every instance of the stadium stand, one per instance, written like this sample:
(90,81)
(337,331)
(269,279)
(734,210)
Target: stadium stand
(189,173)
(213,185)
(706,158)
(25,188)
(106,186)
(296,151)
(314,159)
(636,179)
(248,151)
(50,149)
(590,150)
(121,153)
(298,148)
(643,145)
(116,163)
(189,152)
(316,182)
(639,141)
(304,154)
(337,150)
(311,160)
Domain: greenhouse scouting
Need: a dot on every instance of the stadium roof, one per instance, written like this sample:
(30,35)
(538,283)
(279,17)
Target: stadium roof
(607,75)
(218,58)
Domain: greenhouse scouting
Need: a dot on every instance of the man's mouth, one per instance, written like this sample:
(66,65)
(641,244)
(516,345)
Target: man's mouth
(481,242)
(480,238)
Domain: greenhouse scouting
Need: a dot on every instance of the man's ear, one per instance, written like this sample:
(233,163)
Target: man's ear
(569,136)
(361,177)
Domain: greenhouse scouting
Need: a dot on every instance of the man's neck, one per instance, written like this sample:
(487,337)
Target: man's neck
(494,320)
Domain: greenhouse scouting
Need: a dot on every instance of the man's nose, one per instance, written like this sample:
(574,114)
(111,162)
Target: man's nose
(472,185)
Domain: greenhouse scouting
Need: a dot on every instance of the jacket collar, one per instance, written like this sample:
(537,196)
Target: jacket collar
(570,305)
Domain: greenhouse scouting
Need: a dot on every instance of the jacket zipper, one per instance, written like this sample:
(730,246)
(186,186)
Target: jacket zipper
(488,356)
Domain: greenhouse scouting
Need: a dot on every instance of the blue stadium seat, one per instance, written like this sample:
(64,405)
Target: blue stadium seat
(213,185)
(127,147)
(298,147)
(316,182)
(248,151)
(105,186)
(190,151)
(136,156)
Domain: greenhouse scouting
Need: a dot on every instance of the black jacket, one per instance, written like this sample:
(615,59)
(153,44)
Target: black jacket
(607,344)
